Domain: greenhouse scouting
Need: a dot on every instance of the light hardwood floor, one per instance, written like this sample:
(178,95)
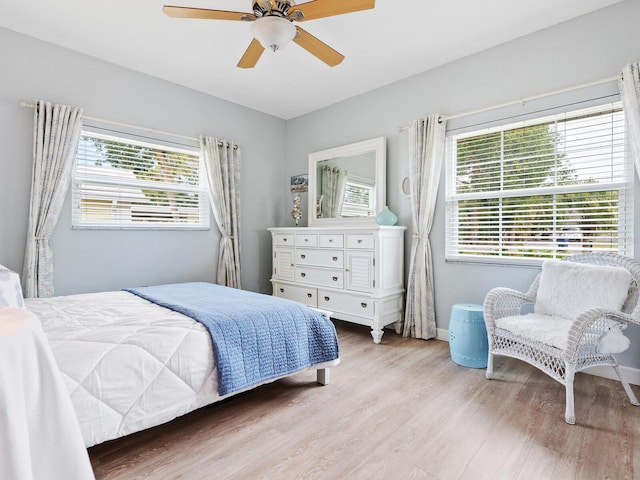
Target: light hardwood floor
(398,410)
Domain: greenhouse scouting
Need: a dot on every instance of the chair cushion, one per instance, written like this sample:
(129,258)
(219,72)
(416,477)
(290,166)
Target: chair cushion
(547,329)
(10,289)
(569,288)
(554,331)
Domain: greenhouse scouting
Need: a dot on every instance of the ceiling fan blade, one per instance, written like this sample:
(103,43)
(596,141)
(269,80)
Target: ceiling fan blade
(188,12)
(251,55)
(327,8)
(318,48)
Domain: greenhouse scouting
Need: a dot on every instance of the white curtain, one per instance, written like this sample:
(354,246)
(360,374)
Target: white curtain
(630,92)
(55,140)
(222,165)
(334,182)
(426,148)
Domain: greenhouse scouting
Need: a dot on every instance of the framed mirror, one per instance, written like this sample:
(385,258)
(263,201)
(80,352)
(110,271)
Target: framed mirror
(347,184)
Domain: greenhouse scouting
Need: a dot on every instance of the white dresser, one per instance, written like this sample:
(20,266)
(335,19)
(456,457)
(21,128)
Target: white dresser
(354,272)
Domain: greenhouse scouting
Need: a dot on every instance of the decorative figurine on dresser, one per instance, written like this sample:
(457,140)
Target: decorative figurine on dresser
(344,262)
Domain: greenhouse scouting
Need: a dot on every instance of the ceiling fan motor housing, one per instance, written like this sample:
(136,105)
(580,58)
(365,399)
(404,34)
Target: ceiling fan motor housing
(264,8)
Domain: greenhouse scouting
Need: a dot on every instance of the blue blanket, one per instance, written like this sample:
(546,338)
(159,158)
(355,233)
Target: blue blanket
(255,337)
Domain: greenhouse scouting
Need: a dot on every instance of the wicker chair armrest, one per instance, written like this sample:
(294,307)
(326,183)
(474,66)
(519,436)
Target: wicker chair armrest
(503,302)
(588,329)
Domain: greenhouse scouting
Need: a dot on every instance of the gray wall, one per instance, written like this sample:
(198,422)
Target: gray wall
(589,48)
(88,260)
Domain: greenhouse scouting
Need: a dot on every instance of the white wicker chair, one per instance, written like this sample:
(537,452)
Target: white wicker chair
(585,332)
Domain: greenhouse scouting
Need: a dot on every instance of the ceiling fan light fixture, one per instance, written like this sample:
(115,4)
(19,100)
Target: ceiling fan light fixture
(273,32)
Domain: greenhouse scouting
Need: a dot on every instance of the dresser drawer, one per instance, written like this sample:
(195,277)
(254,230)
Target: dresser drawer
(345,303)
(320,258)
(331,241)
(284,239)
(306,240)
(360,241)
(322,277)
(302,294)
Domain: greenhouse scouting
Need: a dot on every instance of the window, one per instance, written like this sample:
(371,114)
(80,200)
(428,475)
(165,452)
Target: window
(540,189)
(126,183)
(358,197)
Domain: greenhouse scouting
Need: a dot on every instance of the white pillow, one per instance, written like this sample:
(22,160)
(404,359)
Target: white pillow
(569,288)
(10,289)
(614,341)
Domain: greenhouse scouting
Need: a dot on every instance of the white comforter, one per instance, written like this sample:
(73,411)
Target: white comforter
(128,364)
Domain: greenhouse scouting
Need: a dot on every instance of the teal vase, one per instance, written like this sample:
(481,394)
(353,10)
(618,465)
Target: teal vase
(386,217)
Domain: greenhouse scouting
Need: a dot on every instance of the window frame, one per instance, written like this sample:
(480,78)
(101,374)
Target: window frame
(624,187)
(142,139)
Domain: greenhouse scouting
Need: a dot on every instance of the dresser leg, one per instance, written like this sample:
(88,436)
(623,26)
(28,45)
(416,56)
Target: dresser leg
(376,333)
(398,326)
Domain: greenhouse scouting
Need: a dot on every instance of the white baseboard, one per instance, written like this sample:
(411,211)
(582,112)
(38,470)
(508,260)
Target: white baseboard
(631,375)
(442,334)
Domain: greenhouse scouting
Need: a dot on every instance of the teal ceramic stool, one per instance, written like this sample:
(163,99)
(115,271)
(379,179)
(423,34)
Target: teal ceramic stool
(468,336)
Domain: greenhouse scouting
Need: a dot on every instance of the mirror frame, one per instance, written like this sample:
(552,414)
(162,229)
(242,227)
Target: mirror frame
(379,147)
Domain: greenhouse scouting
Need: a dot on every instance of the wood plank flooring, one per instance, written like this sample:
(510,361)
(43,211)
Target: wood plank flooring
(398,410)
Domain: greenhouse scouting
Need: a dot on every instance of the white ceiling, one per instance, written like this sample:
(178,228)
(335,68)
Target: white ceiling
(397,39)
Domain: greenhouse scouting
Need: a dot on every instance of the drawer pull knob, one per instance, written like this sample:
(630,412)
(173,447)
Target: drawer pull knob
(303,274)
(335,279)
(306,240)
(284,239)
(309,295)
(335,259)
(363,305)
(303,256)
(359,240)
(326,299)
(282,290)
(331,240)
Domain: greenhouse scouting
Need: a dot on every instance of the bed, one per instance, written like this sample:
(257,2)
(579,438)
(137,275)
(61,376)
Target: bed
(130,363)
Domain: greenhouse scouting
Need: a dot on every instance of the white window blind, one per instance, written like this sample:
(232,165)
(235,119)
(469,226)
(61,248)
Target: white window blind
(358,198)
(544,188)
(122,182)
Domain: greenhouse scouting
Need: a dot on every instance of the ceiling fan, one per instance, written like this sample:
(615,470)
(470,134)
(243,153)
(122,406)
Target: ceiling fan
(273,25)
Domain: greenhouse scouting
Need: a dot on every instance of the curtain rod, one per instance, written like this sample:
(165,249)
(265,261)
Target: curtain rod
(523,100)
(24,104)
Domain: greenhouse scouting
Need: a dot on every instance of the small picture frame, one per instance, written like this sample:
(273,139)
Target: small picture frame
(299,183)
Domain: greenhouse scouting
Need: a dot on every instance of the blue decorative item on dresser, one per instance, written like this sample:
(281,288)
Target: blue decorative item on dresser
(386,217)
